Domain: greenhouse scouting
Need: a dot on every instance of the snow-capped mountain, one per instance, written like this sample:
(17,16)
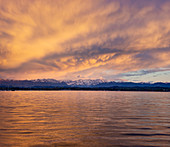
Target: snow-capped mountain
(86,82)
(46,80)
(51,83)
(81,83)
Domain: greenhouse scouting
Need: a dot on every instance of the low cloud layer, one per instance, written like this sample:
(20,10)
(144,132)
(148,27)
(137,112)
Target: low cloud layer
(83,39)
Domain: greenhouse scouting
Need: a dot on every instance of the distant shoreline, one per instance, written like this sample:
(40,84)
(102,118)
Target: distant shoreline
(149,89)
(83,85)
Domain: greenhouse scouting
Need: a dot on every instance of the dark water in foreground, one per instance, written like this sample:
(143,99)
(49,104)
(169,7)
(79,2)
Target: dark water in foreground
(84,118)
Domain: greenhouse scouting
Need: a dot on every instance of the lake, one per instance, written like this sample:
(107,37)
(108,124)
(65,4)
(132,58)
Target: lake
(84,118)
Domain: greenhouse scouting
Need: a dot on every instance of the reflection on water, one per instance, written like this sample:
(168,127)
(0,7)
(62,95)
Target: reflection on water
(84,118)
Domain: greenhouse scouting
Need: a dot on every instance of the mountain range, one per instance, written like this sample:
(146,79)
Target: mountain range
(81,84)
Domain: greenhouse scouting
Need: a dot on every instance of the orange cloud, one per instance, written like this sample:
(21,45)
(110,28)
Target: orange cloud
(47,38)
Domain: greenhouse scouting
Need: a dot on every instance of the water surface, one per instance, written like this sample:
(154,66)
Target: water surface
(84,118)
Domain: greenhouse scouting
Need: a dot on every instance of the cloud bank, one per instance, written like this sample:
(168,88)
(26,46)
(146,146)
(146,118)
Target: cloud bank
(89,39)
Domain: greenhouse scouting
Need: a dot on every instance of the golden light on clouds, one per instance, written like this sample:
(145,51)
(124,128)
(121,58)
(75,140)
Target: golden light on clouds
(64,39)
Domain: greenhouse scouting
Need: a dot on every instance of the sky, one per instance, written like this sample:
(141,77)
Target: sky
(121,40)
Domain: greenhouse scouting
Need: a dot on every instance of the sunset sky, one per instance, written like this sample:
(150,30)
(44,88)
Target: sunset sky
(126,40)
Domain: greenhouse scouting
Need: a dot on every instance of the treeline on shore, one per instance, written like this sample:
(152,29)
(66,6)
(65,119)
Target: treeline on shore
(161,89)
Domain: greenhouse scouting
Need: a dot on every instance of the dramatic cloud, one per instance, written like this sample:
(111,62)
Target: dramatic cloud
(66,39)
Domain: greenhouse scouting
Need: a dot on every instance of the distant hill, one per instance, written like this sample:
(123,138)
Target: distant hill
(87,84)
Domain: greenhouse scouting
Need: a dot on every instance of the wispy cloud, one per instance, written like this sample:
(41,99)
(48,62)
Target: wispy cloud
(144,72)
